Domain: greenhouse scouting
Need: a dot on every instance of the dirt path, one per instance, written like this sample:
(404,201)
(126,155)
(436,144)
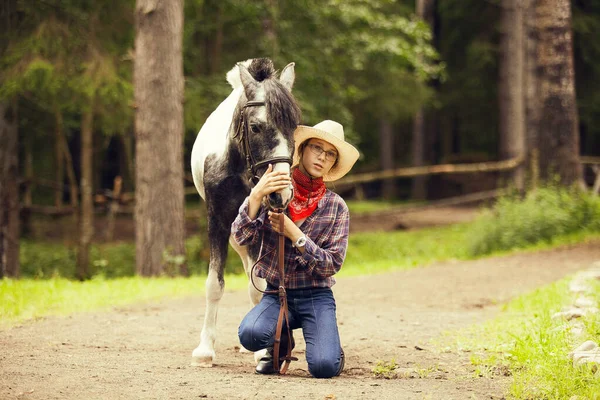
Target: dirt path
(143,352)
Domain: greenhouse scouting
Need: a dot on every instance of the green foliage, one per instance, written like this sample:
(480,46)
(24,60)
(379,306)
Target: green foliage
(524,341)
(545,218)
(371,53)
(541,216)
(28,298)
(62,54)
(367,206)
(586,24)
(42,260)
(385,369)
(469,45)
(373,252)
(357,61)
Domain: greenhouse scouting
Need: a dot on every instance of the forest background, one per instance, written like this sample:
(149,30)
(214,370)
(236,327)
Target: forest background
(414,83)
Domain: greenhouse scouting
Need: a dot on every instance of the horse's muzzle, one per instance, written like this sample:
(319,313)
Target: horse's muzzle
(281,199)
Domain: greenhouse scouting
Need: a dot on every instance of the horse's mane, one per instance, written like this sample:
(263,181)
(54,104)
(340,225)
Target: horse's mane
(281,105)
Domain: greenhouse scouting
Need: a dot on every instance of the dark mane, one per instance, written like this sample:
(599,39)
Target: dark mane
(281,105)
(261,69)
(282,108)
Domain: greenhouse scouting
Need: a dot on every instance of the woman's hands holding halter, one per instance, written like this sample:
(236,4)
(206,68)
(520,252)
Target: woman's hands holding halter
(270,182)
(273,181)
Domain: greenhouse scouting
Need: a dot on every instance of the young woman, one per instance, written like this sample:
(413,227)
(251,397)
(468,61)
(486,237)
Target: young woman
(316,226)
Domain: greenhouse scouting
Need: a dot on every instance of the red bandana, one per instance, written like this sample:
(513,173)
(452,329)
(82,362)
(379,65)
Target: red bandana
(307,193)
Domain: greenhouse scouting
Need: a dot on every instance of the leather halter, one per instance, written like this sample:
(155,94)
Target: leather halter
(279,364)
(244,136)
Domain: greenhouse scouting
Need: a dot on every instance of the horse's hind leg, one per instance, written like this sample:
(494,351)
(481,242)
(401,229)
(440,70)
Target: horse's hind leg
(204,354)
(248,262)
(254,293)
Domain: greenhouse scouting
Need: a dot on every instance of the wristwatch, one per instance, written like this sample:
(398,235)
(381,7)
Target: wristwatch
(300,242)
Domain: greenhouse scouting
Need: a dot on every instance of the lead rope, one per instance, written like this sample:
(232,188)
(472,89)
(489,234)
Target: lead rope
(283,305)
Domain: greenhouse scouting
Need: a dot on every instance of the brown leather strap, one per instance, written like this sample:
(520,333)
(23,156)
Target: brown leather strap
(280,364)
(283,310)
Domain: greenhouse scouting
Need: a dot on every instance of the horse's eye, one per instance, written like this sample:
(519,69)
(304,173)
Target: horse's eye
(254,128)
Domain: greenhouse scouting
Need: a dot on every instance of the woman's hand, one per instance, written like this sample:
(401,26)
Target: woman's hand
(271,181)
(290,230)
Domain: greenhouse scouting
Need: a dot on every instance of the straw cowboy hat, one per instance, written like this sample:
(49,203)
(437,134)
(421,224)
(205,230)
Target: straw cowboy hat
(333,133)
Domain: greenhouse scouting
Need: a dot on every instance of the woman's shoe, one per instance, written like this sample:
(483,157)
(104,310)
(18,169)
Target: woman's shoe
(342,362)
(265,365)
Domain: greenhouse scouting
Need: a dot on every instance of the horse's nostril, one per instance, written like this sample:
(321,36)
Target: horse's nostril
(275,198)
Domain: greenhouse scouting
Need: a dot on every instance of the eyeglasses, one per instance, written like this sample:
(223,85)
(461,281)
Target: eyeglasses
(330,155)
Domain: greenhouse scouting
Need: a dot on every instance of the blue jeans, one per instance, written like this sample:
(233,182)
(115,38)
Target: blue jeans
(313,310)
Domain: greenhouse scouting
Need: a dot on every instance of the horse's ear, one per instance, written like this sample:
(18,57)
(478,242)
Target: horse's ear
(248,81)
(288,76)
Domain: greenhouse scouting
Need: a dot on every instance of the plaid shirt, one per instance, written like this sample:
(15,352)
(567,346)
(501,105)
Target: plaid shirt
(326,231)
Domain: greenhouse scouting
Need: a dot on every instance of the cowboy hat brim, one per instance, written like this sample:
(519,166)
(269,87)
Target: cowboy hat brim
(347,154)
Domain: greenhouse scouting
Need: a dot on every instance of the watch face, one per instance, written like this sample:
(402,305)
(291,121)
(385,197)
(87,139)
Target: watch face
(301,241)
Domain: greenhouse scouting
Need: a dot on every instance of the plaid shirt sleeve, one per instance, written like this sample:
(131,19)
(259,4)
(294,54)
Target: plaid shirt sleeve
(326,260)
(245,231)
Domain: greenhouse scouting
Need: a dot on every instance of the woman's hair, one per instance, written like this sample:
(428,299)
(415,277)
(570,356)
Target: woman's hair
(302,147)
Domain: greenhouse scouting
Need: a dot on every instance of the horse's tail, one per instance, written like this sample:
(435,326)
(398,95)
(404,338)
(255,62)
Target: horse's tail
(233,76)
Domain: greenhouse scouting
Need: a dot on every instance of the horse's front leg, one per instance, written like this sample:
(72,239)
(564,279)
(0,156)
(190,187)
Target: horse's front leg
(204,354)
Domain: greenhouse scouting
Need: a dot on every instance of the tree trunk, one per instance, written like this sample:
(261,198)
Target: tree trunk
(510,87)
(558,140)
(73,187)
(269,29)
(26,228)
(129,172)
(530,82)
(86,215)
(425,10)
(158,82)
(386,155)
(9,192)
(419,191)
(59,163)
(217,43)
(28,172)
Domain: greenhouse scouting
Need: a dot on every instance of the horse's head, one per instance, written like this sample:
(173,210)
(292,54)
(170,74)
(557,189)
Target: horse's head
(267,117)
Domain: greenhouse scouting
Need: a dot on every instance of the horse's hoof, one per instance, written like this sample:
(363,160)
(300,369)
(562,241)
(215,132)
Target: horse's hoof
(202,358)
(201,362)
(244,350)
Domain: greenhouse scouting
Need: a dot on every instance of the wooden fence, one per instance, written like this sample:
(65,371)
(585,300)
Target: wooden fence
(116,201)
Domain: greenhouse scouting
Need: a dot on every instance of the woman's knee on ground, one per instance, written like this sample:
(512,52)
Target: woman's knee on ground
(323,367)
(253,339)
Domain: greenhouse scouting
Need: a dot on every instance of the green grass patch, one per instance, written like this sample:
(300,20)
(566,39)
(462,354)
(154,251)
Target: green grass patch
(566,217)
(376,252)
(527,343)
(541,216)
(369,206)
(26,299)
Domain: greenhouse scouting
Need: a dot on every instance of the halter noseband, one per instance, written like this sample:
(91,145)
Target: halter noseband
(243,132)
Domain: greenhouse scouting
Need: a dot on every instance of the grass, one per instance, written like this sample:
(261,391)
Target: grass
(523,341)
(527,343)
(27,299)
(368,206)
(376,252)
(368,253)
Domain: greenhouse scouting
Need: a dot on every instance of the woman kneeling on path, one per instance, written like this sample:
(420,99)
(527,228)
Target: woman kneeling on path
(316,225)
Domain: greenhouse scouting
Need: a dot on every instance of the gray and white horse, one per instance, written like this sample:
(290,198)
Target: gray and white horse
(253,127)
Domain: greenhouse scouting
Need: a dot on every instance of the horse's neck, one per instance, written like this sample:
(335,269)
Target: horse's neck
(213,138)
(217,125)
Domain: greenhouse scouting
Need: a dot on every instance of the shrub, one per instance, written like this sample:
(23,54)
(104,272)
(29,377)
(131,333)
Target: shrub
(541,216)
(111,260)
